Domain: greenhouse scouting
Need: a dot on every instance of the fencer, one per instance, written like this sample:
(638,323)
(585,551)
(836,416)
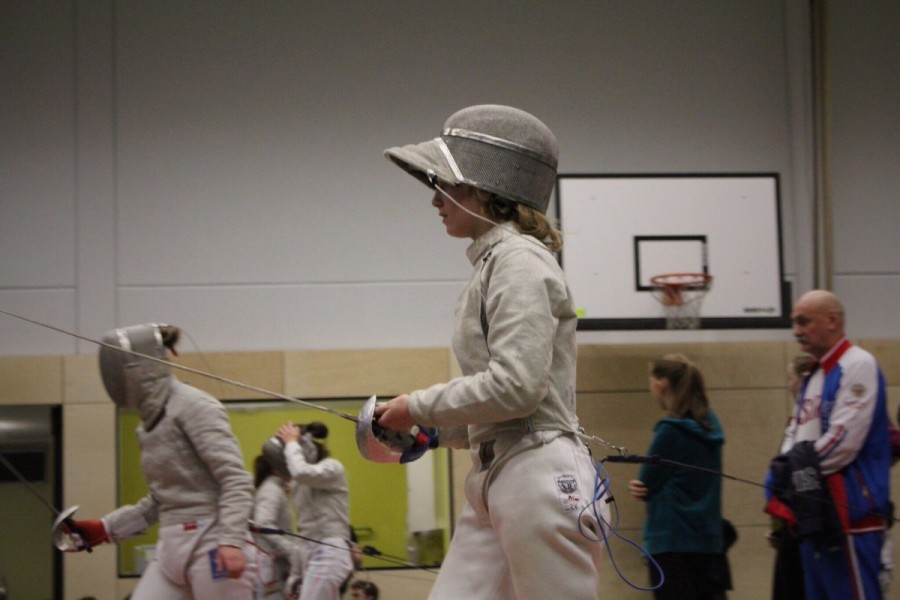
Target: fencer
(200,494)
(272,508)
(322,562)
(520,535)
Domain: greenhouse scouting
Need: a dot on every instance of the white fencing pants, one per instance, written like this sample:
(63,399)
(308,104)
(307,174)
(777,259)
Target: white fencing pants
(518,536)
(326,567)
(185,568)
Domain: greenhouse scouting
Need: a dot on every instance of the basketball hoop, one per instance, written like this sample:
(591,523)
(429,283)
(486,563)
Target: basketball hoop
(681,295)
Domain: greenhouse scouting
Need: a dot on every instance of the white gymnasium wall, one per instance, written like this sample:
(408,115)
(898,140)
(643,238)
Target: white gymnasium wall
(864,59)
(219,165)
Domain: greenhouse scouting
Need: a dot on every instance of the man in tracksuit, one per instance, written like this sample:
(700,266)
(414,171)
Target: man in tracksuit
(842,412)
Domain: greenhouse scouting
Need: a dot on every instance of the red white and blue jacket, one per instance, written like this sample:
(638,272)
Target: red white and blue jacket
(842,409)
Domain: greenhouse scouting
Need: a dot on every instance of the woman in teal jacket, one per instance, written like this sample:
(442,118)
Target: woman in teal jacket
(683,530)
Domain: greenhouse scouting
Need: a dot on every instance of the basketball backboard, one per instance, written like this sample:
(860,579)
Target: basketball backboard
(621,230)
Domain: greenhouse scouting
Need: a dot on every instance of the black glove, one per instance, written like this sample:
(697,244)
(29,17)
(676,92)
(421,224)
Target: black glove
(317,429)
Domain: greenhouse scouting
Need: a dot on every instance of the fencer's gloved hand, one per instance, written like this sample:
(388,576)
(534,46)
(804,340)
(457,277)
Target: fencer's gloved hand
(424,439)
(92,532)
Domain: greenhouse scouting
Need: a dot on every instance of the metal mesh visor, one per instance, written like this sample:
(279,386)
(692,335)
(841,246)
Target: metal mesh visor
(128,378)
(503,171)
(112,369)
(273,452)
(499,149)
(419,159)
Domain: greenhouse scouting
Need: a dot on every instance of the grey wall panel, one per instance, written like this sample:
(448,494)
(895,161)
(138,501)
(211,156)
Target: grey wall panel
(55,307)
(871,304)
(259,136)
(301,317)
(240,146)
(37,163)
(864,57)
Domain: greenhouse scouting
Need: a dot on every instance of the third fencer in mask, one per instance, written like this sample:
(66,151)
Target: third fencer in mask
(323,563)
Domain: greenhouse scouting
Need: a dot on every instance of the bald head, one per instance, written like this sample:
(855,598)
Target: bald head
(818,319)
(822,300)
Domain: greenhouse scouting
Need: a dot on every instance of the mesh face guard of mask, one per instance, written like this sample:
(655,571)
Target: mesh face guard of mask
(495,148)
(273,451)
(124,374)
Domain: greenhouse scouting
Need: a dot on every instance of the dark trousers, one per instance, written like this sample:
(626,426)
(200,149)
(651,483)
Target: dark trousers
(691,576)
(787,583)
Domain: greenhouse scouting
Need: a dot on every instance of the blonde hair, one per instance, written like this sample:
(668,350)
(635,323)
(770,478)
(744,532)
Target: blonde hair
(687,391)
(528,221)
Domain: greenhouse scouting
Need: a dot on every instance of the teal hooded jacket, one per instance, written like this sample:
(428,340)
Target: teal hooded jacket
(684,505)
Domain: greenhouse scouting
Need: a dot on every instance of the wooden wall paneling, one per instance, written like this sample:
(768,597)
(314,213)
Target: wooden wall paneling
(361,373)
(754,422)
(621,419)
(81,380)
(263,370)
(31,379)
(724,365)
(89,467)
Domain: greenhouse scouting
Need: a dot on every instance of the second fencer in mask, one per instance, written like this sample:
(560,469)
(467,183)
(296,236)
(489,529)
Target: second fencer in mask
(199,490)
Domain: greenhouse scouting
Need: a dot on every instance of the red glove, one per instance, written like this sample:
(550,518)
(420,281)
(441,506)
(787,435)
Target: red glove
(93,532)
